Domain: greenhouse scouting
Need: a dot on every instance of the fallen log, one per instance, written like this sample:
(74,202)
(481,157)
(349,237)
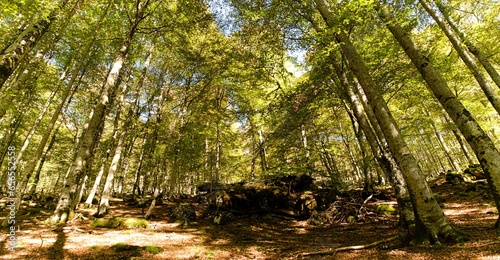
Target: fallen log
(350,248)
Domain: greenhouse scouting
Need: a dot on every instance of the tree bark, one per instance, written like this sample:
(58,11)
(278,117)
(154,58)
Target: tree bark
(484,148)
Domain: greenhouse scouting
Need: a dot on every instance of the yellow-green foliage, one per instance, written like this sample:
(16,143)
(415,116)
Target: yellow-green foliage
(153,249)
(117,221)
(386,209)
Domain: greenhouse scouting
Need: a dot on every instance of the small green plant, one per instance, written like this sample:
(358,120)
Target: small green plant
(153,249)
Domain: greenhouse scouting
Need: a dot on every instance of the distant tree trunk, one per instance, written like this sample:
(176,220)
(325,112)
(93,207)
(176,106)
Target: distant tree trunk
(32,187)
(430,221)
(136,186)
(262,151)
(486,152)
(366,157)
(461,143)
(483,59)
(453,164)
(466,58)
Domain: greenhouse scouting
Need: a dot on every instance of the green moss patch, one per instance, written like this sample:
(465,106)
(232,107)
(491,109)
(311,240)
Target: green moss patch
(136,223)
(153,249)
(386,209)
(118,221)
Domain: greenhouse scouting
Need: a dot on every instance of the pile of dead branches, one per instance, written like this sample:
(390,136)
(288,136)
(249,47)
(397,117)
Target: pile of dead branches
(344,210)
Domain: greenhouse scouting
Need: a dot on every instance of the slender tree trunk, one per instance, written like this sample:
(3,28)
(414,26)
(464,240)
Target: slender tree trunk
(486,152)
(97,181)
(453,164)
(32,187)
(483,59)
(461,143)
(262,151)
(120,146)
(466,58)
(108,185)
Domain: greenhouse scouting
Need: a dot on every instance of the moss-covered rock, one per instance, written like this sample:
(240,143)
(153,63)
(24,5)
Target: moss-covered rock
(386,209)
(118,221)
(153,249)
(135,223)
(106,222)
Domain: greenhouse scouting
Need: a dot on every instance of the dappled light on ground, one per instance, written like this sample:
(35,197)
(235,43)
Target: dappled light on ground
(252,236)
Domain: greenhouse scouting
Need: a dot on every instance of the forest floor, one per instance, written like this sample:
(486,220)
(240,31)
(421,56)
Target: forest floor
(252,236)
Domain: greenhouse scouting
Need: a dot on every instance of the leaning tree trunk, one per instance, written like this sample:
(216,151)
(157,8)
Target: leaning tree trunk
(431,224)
(481,57)
(113,168)
(484,148)
(453,164)
(379,150)
(466,58)
(65,96)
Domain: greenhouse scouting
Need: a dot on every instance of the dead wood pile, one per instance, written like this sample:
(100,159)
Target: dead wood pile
(292,196)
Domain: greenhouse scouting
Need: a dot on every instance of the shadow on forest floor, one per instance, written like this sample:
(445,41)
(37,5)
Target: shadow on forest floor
(249,237)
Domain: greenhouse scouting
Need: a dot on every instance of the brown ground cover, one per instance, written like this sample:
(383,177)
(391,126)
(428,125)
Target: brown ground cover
(254,236)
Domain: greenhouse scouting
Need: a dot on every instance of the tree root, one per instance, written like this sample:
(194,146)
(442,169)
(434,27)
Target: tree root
(350,248)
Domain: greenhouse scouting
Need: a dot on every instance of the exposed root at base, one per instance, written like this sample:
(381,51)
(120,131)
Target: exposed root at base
(350,248)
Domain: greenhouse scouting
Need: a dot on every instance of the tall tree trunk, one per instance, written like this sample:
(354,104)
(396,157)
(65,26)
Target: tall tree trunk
(108,185)
(430,221)
(120,146)
(378,146)
(484,148)
(483,59)
(466,58)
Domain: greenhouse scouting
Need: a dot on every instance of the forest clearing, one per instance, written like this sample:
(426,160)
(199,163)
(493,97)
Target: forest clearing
(241,129)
